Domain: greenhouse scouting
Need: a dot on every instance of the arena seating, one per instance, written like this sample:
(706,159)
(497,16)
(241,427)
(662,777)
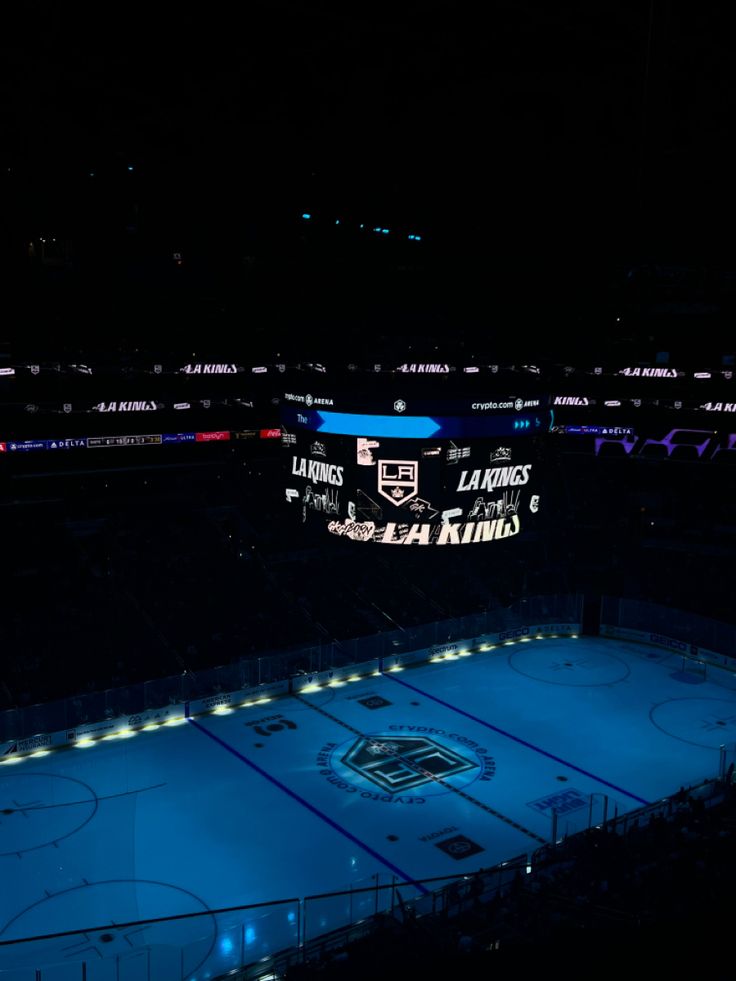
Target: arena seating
(122,577)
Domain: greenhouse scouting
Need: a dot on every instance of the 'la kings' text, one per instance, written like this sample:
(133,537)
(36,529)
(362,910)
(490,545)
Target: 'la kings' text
(317,471)
(494,477)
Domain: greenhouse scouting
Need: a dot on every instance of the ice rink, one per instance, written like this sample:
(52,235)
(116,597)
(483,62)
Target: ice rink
(436,769)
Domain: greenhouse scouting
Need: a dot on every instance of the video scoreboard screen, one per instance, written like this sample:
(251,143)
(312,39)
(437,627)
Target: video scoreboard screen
(395,491)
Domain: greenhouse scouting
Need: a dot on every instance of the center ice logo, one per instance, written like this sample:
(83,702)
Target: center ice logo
(400,763)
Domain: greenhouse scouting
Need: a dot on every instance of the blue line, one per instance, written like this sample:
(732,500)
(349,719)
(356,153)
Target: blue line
(310,807)
(516,739)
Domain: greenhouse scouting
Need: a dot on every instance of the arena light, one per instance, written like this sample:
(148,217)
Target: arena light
(396,667)
(525,640)
(40,752)
(152,726)
(308,689)
(222,710)
(574,636)
(126,733)
(354,677)
(85,743)
(464,653)
(174,722)
(262,701)
(12,759)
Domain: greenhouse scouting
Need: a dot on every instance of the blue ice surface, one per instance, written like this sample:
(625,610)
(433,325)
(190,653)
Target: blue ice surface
(434,770)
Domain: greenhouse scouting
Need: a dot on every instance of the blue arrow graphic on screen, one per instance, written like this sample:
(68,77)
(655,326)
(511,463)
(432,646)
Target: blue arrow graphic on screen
(355,424)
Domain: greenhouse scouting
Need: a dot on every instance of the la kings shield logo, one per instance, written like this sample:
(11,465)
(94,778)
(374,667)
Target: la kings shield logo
(400,763)
(398,480)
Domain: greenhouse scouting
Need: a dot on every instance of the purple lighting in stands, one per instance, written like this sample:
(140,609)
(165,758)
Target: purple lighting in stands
(627,441)
(730,446)
(672,443)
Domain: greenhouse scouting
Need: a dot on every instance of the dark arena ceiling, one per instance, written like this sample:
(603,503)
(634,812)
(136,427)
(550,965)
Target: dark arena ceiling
(535,183)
